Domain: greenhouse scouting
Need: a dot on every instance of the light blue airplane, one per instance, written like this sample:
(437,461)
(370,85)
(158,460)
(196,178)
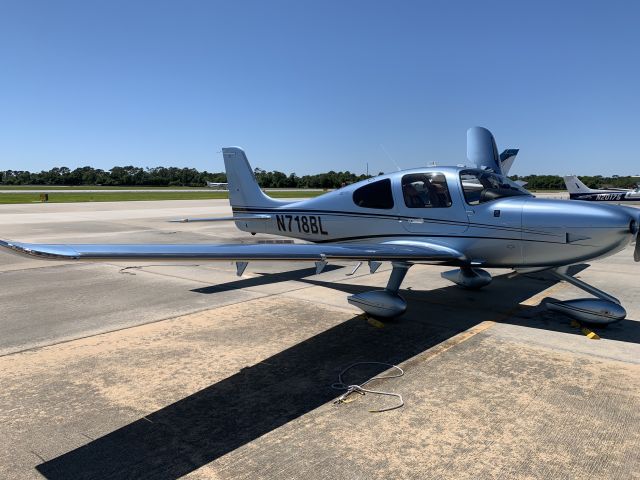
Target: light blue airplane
(466,217)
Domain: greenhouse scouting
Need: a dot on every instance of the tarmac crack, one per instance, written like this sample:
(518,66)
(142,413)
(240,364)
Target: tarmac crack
(37,455)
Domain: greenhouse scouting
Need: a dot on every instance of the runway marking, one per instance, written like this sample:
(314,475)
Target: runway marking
(537,298)
(451,342)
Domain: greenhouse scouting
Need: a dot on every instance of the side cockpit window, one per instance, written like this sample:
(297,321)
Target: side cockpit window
(374,195)
(425,190)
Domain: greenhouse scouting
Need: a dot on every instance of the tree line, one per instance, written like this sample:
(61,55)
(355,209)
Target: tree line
(556,182)
(190,177)
(169,177)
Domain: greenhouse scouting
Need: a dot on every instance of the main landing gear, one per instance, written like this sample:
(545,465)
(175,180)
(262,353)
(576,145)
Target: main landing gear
(385,303)
(468,277)
(388,303)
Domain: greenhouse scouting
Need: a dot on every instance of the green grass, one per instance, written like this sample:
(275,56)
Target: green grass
(107,188)
(116,196)
(90,187)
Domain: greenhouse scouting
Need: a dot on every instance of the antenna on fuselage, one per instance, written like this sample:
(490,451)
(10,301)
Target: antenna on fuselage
(390,158)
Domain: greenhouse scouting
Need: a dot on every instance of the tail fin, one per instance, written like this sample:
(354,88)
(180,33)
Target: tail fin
(574,185)
(507,158)
(244,190)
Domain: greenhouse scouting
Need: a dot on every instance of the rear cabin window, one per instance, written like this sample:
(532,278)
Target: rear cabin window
(374,195)
(425,190)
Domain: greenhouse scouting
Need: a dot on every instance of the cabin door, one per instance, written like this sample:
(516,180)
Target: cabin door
(429,207)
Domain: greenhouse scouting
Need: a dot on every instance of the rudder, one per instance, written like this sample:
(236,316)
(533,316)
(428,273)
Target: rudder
(244,190)
(574,185)
(507,158)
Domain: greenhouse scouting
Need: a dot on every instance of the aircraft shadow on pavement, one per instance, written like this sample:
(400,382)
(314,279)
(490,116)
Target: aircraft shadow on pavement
(263,279)
(205,425)
(539,317)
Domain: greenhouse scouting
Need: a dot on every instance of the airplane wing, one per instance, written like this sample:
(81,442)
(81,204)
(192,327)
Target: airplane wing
(419,252)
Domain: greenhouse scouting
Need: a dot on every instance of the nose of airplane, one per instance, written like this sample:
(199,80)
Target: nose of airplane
(634,213)
(634,227)
(611,217)
(604,228)
(608,222)
(577,214)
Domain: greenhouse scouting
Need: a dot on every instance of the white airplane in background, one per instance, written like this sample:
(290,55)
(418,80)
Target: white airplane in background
(579,191)
(218,185)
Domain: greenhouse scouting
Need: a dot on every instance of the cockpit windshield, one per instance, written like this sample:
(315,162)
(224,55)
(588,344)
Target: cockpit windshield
(480,186)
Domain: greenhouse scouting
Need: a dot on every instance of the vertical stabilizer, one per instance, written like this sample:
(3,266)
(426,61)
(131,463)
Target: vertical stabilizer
(507,158)
(244,190)
(574,185)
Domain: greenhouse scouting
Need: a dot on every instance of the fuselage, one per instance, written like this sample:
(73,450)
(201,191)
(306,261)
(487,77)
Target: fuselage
(495,222)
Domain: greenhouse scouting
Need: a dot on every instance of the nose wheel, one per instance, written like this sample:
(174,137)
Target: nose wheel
(602,310)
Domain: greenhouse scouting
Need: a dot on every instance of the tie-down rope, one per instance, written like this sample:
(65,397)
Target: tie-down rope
(340,385)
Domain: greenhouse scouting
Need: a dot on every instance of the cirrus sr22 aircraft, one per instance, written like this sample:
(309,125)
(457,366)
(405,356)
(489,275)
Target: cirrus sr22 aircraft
(468,218)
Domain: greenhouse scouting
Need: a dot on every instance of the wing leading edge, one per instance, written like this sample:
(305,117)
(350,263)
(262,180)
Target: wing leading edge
(414,252)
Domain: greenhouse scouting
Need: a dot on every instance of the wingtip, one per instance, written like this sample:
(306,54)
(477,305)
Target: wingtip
(52,252)
(12,247)
(9,245)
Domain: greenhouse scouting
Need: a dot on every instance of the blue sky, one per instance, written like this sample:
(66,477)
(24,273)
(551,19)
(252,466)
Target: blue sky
(309,86)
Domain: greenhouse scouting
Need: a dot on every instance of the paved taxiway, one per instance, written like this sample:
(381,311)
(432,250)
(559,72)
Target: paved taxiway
(116,370)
